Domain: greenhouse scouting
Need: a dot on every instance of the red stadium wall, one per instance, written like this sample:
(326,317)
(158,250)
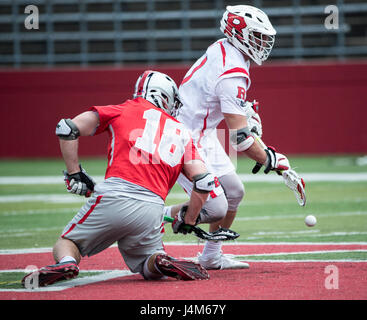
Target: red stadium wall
(305,109)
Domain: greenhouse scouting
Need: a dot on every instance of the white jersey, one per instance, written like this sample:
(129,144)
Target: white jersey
(217,83)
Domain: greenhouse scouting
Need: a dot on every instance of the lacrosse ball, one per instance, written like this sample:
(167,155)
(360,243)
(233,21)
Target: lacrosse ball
(310,221)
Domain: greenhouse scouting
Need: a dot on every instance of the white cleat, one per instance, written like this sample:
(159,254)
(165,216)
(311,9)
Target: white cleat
(221,261)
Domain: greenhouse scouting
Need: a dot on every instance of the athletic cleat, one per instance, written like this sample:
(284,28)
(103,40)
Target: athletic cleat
(51,274)
(180,269)
(221,262)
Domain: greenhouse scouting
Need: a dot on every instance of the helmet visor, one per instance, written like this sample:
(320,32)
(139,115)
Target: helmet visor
(261,44)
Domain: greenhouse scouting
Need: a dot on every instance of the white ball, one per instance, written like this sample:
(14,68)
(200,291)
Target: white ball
(310,221)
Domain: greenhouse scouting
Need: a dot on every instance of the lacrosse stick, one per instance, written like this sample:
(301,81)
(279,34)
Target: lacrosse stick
(222,234)
(291,179)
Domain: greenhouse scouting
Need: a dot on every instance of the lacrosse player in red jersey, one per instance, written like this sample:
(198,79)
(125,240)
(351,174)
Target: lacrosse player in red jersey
(148,148)
(214,89)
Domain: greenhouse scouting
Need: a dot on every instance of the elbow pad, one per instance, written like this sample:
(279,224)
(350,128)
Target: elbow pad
(241,139)
(204,183)
(67,130)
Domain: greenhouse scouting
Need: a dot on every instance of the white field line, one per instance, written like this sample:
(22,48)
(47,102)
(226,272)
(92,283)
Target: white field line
(76,282)
(282,243)
(266,233)
(25,251)
(27,232)
(24,180)
(80,271)
(287,216)
(39,211)
(73,210)
(302,252)
(250,257)
(70,198)
(311,177)
(297,216)
(287,236)
(111,274)
(258,235)
(179,243)
(47,198)
(307,260)
(11,231)
(107,275)
(63,198)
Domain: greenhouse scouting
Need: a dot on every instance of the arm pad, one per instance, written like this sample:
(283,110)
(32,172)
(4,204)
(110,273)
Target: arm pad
(241,139)
(204,183)
(67,130)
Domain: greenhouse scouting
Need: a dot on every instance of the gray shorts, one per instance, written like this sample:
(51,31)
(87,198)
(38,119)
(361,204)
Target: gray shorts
(110,216)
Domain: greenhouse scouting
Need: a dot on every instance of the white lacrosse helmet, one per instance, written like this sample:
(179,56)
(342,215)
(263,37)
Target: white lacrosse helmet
(249,30)
(159,89)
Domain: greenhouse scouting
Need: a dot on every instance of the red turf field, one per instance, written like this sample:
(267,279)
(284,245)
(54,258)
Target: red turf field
(263,281)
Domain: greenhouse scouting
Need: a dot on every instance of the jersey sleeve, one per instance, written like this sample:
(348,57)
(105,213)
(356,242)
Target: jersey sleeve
(105,114)
(232,95)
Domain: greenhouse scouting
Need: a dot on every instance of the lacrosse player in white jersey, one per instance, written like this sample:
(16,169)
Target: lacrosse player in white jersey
(214,89)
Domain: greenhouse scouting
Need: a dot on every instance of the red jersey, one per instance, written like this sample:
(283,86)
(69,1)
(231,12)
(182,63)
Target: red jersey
(146,146)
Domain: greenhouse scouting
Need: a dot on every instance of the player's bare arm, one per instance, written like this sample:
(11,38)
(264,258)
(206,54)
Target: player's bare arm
(86,122)
(83,124)
(76,179)
(194,170)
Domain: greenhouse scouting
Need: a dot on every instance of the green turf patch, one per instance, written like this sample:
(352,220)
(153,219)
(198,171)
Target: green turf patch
(330,256)
(324,164)
(19,189)
(12,280)
(48,167)
(269,212)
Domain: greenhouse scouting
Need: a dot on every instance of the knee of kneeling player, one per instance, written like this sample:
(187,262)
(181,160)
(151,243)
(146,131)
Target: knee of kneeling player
(214,210)
(235,197)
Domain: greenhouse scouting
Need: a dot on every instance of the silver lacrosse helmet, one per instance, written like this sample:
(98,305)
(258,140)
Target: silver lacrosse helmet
(159,89)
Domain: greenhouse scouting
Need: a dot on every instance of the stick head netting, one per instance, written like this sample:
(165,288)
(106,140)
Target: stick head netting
(294,182)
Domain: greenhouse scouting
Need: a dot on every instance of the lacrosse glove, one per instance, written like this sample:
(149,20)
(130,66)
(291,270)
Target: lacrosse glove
(276,161)
(179,225)
(79,183)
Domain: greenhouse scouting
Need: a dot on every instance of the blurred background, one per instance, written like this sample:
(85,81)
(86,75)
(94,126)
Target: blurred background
(312,90)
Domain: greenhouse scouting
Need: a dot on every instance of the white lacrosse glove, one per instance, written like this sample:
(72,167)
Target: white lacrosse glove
(275,161)
(253,117)
(79,183)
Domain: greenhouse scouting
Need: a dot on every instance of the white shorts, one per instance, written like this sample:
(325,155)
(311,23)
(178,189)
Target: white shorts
(215,157)
(218,163)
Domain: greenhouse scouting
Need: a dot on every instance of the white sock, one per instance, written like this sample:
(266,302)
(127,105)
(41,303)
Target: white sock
(212,248)
(67,259)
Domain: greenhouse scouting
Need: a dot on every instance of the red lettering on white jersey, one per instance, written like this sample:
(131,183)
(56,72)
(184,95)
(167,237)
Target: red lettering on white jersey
(241,93)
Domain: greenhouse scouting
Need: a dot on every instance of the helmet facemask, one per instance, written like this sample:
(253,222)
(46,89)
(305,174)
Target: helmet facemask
(258,46)
(250,31)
